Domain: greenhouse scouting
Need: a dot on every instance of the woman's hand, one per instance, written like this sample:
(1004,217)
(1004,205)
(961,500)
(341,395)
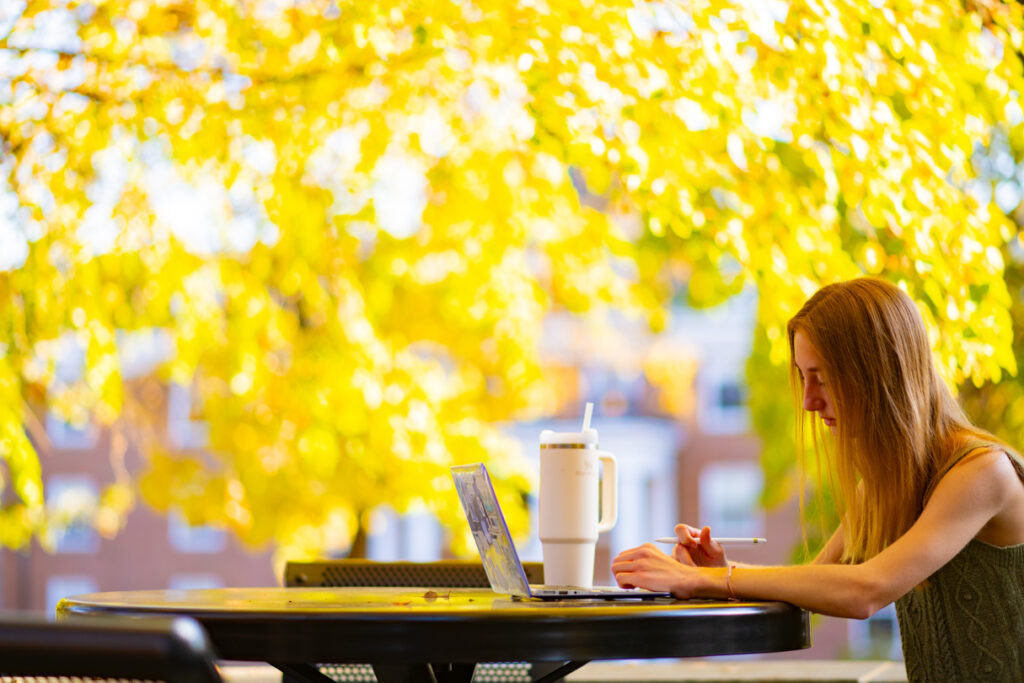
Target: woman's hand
(648,567)
(696,547)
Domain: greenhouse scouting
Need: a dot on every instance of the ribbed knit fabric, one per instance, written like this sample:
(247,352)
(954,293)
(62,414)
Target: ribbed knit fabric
(966,621)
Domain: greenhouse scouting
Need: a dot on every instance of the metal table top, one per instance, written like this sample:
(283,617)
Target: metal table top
(414,625)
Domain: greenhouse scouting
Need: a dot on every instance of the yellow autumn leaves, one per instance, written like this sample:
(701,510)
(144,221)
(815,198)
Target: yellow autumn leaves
(374,206)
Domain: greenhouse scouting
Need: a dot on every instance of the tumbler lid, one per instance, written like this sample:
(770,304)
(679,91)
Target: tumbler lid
(584,439)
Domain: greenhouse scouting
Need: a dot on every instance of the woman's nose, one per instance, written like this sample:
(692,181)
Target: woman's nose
(812,398)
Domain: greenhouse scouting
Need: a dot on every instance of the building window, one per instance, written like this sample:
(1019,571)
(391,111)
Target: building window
(730,395)
(182,430)
(730,498)
(61,586)
(416,535)
(189,538)
(66,436)
(71,501)
(69,371)
(722,402)
(877,637)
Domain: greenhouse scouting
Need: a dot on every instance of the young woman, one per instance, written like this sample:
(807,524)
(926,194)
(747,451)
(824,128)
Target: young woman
(932,507)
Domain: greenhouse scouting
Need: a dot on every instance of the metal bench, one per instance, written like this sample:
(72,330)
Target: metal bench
(173,649)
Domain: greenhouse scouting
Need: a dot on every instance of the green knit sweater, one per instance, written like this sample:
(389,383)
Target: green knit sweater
(966,621)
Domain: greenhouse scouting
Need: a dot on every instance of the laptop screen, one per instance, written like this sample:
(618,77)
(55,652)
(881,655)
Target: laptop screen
(493,540)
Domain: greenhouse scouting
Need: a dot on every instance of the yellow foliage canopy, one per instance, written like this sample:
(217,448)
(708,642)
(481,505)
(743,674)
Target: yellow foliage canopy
(373,206)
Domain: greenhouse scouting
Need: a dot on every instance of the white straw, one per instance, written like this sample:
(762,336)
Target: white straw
(586,416)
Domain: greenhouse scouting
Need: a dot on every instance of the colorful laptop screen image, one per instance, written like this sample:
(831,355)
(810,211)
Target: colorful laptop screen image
(497,552)
(486,521)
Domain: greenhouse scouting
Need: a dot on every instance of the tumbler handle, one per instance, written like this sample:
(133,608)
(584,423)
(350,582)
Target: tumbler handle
(609,499)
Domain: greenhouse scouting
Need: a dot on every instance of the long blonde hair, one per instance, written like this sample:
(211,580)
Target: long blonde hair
(896,420)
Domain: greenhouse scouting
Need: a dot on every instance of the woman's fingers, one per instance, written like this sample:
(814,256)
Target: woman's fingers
(696,547)
(681,554)
(639,551)
(648,567)
(710,546)
(636,558)
(687,535)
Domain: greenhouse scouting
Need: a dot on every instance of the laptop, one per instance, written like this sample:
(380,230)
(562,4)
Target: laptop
(501,561)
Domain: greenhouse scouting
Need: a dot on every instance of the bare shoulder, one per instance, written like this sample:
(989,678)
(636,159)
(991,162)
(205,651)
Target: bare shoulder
(985,457)
(986,461)
(988,478)
(986,471)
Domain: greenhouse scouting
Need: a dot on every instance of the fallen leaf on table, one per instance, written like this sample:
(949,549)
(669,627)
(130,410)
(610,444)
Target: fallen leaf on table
(430,596)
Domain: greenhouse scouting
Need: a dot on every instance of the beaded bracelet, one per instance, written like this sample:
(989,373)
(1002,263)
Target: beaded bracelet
(728,583)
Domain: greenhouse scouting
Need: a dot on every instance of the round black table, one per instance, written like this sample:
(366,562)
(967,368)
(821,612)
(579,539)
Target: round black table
(405,632)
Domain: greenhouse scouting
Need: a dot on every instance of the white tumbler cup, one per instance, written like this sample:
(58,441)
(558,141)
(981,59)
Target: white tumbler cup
(575,504)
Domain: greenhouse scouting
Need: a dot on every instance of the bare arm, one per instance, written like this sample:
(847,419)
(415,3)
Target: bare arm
(833,550)
(964,501)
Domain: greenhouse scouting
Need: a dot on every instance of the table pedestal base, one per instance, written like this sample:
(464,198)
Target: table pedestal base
(435,672)
(424,673)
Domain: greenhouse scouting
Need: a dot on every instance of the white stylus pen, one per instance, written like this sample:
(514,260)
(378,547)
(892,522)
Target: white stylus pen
(722,541)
